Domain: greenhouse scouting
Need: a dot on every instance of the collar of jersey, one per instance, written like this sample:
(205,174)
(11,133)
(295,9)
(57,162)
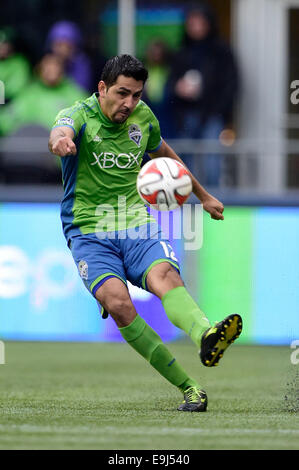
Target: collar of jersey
(106,121)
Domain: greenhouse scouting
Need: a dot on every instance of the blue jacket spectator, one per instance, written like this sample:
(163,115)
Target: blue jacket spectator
(203,84)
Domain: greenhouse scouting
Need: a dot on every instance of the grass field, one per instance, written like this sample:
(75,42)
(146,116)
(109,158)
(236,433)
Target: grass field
(104,396)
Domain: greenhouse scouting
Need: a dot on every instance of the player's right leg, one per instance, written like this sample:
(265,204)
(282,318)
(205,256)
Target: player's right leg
(165,282)
(113,295)
(152,264)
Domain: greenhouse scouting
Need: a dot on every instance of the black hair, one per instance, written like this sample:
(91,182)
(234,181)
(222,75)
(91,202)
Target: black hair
(126,65)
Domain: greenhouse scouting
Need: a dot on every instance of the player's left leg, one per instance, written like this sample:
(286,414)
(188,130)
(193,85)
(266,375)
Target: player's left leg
(165,282)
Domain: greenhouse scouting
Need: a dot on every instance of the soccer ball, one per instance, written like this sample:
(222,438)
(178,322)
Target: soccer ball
(164,184)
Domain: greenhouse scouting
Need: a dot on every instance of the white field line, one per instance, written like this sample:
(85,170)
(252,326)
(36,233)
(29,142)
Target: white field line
(28,428)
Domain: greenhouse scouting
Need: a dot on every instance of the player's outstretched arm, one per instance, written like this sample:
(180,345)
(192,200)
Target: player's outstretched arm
(209,202)
(61,141)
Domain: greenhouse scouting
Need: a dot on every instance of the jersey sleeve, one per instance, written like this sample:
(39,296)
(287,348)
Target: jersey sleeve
(155,139)
(70,117)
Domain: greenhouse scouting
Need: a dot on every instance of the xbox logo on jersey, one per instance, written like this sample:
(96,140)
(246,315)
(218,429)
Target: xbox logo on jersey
(109,160)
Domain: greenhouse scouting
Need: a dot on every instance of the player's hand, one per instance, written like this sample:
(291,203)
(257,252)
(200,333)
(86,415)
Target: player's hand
(214,207)
(64,146)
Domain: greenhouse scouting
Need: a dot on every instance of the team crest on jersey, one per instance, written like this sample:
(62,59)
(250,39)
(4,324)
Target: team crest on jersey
(83,269)
(135,134)
(97,139)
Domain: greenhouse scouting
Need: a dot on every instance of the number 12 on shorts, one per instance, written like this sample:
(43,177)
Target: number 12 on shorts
(168,250)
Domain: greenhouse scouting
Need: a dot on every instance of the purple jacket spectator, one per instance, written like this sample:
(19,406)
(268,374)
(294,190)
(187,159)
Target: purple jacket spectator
(65,40)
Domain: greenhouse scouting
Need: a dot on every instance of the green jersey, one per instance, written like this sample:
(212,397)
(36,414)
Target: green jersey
(100,181)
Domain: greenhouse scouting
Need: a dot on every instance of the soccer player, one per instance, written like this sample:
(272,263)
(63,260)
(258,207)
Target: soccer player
(102,141)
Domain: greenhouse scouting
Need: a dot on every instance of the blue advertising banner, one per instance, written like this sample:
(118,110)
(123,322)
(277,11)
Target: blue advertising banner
(254,266)
(41,294)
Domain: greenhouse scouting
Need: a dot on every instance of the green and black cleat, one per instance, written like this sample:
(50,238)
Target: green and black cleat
(216,339)
(194,400)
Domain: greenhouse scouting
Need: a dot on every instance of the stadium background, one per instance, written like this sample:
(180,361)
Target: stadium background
(67,379)
(252,258)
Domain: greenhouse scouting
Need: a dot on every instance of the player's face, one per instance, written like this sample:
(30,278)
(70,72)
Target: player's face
(119,100)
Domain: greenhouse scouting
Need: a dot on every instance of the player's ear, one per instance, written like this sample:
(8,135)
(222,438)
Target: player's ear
(102,89)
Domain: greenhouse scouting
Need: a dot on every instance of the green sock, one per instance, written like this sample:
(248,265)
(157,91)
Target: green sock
(147,343)
(184,313)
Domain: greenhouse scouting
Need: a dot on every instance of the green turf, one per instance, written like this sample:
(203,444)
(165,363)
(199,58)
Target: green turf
(104,396)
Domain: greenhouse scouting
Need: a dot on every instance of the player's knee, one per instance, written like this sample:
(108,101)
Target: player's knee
(122,312)
(113,295)
(166,272)
(119,305)
(162,278)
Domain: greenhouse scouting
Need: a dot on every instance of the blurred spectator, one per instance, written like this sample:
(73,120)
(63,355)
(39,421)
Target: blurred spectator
(203,85)
(15,70)
(155,91)
(65,40)
(40,101)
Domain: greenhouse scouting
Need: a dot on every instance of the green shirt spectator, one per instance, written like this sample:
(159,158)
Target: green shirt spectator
(15,70)
(42,99)
(15,74)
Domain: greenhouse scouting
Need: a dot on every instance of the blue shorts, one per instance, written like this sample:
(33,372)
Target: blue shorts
(126,254)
